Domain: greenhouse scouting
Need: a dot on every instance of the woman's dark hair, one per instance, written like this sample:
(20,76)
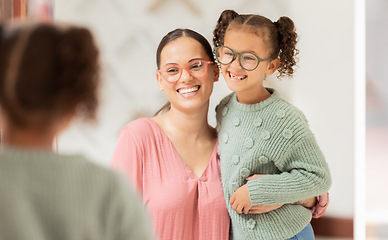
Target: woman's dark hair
(280,36)
(46,71)
(173,35)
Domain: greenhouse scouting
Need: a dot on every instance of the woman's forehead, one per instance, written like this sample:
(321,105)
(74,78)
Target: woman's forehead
(182,49)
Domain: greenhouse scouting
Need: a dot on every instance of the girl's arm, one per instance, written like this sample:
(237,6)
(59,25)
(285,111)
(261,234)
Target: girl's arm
(304,174)
(317,205)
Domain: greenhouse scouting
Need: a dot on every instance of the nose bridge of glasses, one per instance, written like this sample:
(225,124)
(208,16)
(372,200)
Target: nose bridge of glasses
(185,72)
(236,58)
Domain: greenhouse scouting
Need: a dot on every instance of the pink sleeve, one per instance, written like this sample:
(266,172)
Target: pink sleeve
(320,207)
(128,157)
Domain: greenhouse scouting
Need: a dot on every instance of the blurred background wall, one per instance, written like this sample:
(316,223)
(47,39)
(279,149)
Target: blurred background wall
(128,32)
(376,119)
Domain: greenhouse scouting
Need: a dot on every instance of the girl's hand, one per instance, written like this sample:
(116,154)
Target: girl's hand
(258,209)
(240,200)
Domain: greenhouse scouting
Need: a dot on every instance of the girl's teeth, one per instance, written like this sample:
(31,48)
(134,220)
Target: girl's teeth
(238,78)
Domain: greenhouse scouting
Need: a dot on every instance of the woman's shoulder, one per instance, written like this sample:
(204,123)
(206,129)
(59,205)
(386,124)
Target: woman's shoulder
(140,126)
(140,123)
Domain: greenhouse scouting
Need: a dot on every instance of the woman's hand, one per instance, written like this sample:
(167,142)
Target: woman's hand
(258,209)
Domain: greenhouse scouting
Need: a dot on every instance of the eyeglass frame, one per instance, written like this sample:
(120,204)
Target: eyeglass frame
(186,67)
(239,58)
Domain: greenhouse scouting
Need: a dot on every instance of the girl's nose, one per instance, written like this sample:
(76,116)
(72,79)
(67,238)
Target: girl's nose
(236,63)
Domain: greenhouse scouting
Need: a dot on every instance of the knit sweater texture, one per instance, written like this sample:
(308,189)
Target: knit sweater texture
(44,195)
(272,138)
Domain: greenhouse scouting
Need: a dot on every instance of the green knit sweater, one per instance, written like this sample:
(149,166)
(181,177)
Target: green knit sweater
(48,196)
(271,137)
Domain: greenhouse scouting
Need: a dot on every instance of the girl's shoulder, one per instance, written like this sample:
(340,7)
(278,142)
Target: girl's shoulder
(224,101)
(284,109)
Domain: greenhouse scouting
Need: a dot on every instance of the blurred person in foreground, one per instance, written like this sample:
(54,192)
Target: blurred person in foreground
(49,75)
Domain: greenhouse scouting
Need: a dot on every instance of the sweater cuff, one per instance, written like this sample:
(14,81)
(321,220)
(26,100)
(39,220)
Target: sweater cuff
(257,192)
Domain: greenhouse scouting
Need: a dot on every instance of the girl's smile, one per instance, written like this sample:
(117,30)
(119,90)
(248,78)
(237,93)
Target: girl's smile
(236,77)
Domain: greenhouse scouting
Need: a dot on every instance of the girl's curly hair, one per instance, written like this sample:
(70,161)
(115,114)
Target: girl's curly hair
(46,71)
(280,36)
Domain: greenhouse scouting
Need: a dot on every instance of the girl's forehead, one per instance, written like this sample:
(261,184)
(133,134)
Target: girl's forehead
(242,40)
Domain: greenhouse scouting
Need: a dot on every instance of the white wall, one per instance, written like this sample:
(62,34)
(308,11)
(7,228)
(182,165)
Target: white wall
(128,34)
(324,86)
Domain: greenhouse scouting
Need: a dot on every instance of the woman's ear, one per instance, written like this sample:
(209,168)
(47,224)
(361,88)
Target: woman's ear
(216,73)
(159,80)
(272,66)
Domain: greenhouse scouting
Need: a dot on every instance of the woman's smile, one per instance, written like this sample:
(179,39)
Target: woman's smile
(189,91)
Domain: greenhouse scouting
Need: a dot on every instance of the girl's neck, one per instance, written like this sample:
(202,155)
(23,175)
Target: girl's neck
(28,138)
(253,96)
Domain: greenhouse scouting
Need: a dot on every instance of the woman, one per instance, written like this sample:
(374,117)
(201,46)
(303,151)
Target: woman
(48,76)
(171,159)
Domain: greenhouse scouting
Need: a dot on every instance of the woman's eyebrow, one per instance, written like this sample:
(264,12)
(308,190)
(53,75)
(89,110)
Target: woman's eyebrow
(195,59)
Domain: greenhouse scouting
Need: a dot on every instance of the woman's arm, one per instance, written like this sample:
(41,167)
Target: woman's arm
(127,157)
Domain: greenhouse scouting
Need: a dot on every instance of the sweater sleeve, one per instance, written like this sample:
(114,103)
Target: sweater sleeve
(305,174)
(128,157)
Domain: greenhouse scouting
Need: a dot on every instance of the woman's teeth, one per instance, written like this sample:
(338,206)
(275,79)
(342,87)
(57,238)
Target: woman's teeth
(234,77)
(188,90)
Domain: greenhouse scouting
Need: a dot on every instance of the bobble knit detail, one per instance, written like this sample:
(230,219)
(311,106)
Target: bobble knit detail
(272,137)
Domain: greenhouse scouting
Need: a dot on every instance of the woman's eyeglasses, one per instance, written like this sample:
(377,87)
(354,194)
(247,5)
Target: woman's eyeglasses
(196,68)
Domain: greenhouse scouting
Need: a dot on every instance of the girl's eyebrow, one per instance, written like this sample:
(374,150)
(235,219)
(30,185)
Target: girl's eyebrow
(250,51)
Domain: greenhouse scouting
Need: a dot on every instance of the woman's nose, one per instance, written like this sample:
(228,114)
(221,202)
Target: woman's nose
(185,77)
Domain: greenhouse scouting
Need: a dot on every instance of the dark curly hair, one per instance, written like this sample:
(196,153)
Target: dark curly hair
(47,70)
(280,36)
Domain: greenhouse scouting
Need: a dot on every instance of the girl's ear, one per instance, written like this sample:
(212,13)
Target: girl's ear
(159,80)
(216,73)
(272,66)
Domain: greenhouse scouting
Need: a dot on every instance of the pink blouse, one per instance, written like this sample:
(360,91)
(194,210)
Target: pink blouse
(182,205)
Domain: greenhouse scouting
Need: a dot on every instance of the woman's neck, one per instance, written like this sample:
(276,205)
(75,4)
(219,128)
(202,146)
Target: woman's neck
(191,126)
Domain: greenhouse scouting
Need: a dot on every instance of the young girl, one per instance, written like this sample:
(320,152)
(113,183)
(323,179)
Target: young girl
(261,133)
(48,76)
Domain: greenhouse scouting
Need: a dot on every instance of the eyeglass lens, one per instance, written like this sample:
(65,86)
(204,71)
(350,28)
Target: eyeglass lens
(247,60)
(172,72)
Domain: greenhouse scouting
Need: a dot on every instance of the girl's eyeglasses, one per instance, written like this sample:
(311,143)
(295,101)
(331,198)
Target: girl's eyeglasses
(172,72)
(249,61)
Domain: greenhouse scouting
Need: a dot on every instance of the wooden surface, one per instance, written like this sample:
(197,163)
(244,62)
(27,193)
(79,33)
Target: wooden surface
(333,227)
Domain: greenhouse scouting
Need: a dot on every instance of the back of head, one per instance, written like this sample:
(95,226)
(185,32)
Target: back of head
(279,36)
(47,71)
